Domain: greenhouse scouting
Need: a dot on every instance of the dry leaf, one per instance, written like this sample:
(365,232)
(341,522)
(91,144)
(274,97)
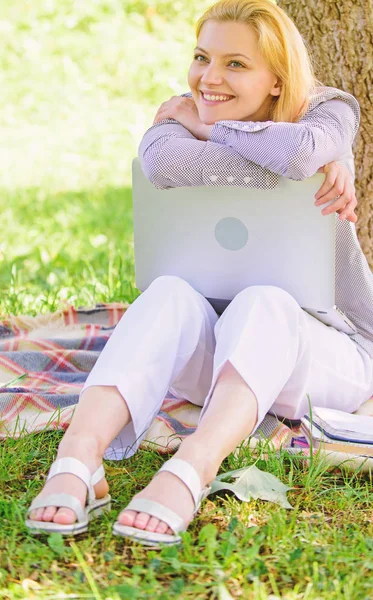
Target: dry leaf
(252,483)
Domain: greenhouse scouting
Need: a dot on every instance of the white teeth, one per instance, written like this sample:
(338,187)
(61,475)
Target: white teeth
(214,98)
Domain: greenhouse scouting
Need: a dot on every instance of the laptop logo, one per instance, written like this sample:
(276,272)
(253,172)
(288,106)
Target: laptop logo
(231,233)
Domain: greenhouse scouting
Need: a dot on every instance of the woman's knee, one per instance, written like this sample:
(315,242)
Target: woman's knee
(171,284)
(266,294)
(178,292)
(262,305)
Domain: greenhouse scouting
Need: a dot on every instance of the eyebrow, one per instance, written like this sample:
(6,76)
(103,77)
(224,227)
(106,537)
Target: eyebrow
(225,55)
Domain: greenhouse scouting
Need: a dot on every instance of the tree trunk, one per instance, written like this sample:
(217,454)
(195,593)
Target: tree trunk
(339,36)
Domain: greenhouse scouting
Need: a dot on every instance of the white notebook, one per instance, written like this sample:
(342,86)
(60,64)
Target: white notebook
(343,426)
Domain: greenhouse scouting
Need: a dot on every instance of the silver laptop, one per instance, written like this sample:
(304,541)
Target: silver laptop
(224,239)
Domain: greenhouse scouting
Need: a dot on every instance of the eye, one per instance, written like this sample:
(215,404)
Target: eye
(235,62)
(197,56)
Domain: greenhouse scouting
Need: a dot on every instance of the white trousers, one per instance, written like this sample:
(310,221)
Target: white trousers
(171,339)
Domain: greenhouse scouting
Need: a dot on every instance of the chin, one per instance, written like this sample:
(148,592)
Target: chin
(208,119)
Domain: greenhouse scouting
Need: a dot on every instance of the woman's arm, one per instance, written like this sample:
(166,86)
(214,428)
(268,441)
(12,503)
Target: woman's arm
(294,150)
(186,161)
(185,171)
(171,156)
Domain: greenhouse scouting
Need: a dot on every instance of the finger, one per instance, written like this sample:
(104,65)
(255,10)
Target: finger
(156,118)
(162,115)
(171,108)
(341,193)
(352,218)
(344,198)
(350,204)
(167,105)
(349,210)
(334,189)
(349,216)
(331,171)
(336,205)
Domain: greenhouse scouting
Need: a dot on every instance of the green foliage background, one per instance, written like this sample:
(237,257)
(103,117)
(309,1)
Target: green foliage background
(81,82)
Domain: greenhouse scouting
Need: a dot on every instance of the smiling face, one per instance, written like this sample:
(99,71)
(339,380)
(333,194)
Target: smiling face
(228,78)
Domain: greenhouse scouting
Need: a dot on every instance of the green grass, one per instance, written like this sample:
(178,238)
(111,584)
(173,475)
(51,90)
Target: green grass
(80,84)
(321,549)
(66,247)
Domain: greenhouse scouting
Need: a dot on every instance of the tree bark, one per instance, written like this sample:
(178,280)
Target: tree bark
(339,37)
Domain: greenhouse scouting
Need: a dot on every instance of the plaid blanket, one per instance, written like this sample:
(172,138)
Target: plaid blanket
(44,362)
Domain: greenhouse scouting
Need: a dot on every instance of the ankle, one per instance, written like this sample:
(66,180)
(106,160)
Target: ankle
(196,452)
(81,444)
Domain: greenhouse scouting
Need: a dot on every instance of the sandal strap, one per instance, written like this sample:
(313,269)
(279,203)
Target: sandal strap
(64,500)
(98,475)
(187,474)
(157,510)
(73,466)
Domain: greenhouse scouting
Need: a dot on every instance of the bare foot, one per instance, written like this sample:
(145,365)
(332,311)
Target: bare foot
(169,490)
(84,449)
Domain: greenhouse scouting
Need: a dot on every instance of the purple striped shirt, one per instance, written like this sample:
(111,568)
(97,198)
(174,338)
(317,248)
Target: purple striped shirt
(253,154)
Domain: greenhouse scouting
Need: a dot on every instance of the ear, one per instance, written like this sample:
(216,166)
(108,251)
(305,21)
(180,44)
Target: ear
(276,90)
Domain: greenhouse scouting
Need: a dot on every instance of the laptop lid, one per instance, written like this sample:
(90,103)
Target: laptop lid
(224,239)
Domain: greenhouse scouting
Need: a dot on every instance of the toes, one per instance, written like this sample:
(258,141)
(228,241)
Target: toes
(49,513)
(141,521)
(162,527)
(132,518)
(152,524)
(65,516)
(127,517)
(37,515)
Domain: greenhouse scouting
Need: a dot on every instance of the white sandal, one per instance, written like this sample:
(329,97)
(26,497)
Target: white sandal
(189,476)
(93,508)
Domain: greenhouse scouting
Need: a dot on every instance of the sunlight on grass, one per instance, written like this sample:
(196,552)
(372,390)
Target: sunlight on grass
(72,247)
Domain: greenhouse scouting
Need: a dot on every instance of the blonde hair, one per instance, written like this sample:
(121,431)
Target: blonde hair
(282,47)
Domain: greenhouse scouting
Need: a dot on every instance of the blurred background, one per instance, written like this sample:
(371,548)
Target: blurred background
(81,82)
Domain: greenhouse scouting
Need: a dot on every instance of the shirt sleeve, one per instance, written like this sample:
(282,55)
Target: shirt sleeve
(171,156)
(249,153)
(293,150)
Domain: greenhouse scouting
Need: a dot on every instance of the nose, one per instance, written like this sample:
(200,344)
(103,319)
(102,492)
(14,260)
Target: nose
(212,75)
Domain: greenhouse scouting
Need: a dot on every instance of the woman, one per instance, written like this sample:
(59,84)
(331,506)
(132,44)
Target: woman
(254,111)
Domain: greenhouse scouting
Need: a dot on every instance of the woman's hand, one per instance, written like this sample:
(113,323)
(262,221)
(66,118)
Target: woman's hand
(185,111)
(338,185)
